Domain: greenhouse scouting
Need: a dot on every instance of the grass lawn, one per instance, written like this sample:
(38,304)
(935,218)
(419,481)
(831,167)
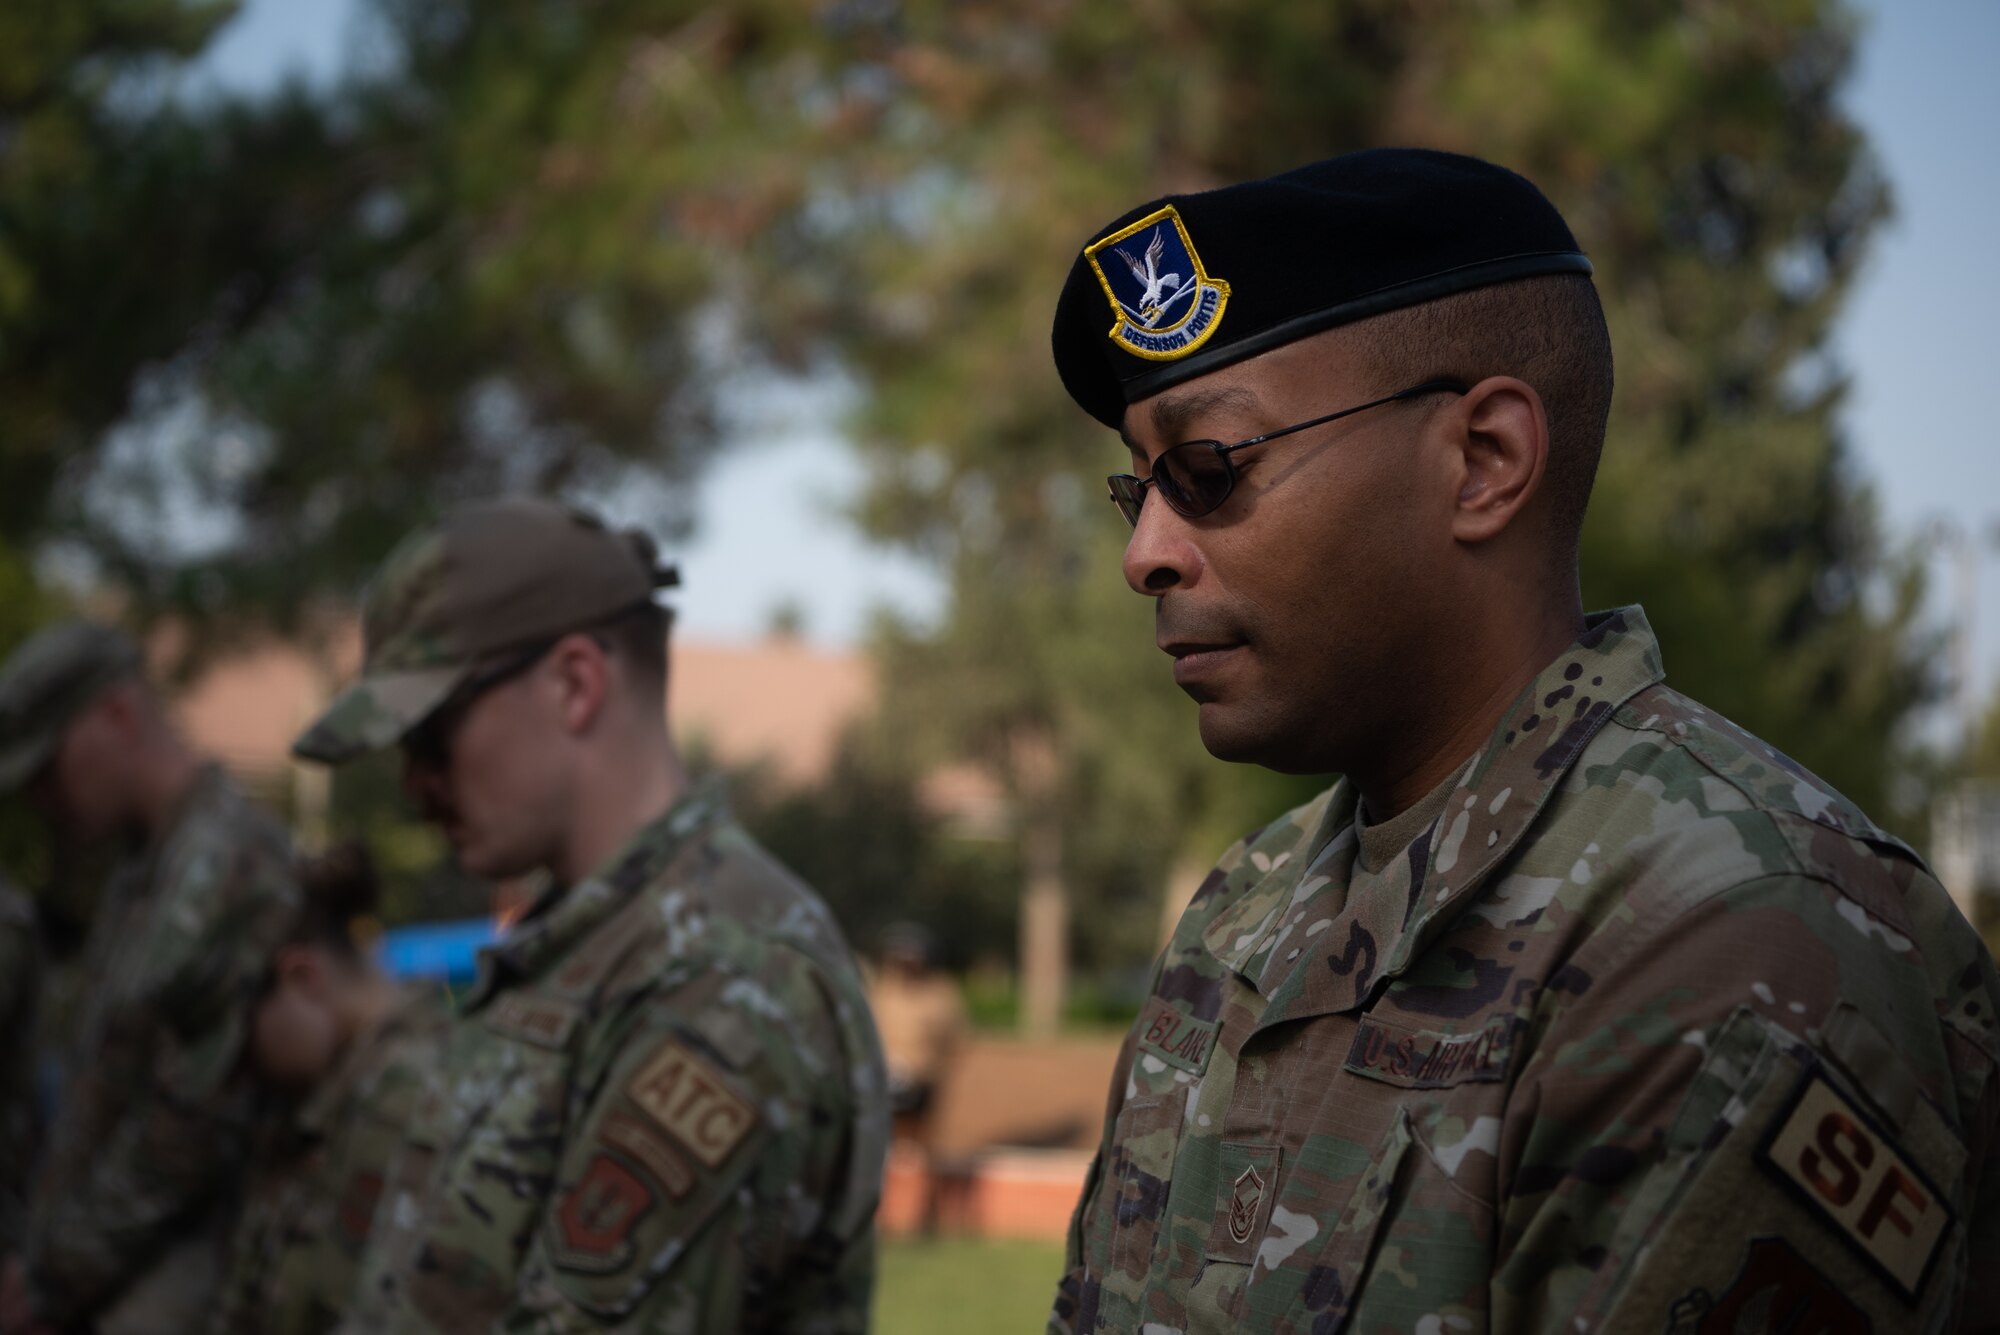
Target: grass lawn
(967,1286)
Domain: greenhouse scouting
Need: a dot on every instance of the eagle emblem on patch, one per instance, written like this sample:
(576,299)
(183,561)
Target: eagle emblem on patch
(1164,303)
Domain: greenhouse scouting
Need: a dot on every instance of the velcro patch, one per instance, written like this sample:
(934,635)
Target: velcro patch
(1775,1289)
(1849,1171)
(542,1021)
(594,1223)
(1175,1037)
(638,1139)
(1420,1059)
(688,1096)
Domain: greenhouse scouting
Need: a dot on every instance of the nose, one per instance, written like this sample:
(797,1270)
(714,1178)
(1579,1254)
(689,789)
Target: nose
(1162,554)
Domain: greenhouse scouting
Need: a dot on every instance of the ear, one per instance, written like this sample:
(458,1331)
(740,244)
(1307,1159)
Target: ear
(581,670)
(1503,445)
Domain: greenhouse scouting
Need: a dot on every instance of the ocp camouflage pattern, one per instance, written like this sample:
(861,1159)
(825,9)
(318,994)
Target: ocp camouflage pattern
(20,1104)
(318,1177)
(1541,1072)
(662,1110)
(148,1153)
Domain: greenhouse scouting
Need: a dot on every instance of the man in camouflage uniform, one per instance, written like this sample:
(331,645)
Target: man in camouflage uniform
(133,1206)
(20,1093)
(1572,1006)
(662,1103)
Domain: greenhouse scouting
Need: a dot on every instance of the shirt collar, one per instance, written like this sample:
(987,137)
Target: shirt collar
(1510,780)
(562,916)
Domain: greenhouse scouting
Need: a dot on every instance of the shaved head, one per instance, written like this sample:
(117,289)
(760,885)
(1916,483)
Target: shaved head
(1549,332)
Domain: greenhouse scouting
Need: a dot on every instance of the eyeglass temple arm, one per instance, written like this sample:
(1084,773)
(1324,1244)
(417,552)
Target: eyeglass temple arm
(1428,387)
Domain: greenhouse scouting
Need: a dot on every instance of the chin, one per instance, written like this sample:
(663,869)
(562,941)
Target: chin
(1229,735)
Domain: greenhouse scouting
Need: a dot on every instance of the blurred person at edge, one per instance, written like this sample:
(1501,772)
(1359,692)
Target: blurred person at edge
(661,1103)
(923,1021)
(135,1200)
(347,1051)
(1572,1006)
(20,1089)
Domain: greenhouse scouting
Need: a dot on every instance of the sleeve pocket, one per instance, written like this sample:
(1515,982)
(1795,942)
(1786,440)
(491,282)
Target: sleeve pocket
(1139,1174)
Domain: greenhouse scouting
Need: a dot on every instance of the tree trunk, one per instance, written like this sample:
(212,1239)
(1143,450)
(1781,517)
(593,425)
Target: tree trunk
(1045,895)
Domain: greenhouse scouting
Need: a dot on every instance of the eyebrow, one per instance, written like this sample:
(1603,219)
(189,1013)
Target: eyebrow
(1172,413)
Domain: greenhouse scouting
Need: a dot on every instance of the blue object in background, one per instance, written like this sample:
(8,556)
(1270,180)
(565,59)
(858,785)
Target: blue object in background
(446,952)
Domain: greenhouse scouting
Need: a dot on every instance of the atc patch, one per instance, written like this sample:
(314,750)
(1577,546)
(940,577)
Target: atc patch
(1852,1174)
(594,1223)
(689,1097)
(1164,302)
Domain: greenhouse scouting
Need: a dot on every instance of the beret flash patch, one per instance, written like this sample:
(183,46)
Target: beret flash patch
(1163,303)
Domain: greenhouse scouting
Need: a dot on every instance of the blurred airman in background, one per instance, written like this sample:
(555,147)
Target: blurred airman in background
(924,1025)
(353,1050)
(662,1101)
(145,1161)
(20,1091)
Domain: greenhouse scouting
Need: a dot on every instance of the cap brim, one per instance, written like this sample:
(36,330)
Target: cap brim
(374,713)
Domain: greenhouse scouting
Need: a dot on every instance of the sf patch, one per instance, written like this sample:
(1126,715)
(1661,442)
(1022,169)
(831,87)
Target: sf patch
(1164,305)
(1851,1174)
(594,1223)
(1775,1289)
(692,1101)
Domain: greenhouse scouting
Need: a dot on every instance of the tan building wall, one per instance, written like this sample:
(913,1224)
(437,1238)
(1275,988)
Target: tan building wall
(776,701)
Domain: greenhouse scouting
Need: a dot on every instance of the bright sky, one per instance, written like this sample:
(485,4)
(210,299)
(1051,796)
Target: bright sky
(1917,336)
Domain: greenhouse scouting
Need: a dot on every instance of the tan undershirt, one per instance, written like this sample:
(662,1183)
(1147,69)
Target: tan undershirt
(1381,843)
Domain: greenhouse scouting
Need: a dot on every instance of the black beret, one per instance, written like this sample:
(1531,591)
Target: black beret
(1189,283)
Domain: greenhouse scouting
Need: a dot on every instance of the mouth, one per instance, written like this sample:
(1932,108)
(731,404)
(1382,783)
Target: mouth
(1195,661)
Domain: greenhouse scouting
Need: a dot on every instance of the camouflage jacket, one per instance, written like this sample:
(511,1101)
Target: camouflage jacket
(317,1180)
(20,1104)
(662,1109)
(1649,1031)
(149,1148)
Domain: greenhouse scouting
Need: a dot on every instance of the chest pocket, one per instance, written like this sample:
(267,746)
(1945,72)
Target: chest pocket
(1324,1230)
(488,1145)
(1384,1214)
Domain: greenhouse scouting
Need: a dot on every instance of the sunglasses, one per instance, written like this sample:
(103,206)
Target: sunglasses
(1196,476)
(429,742)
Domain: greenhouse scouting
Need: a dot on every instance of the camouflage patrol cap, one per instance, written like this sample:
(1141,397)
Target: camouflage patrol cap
(490,576)
(47,682)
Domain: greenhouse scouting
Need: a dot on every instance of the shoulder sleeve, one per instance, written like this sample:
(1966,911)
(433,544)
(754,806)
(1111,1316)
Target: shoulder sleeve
(1748,1102)
(1072,1289)
(705,1187)
(223,892)
(163,1163)
(20,1108)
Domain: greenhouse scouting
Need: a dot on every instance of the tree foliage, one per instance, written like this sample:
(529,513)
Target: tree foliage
(531,245)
